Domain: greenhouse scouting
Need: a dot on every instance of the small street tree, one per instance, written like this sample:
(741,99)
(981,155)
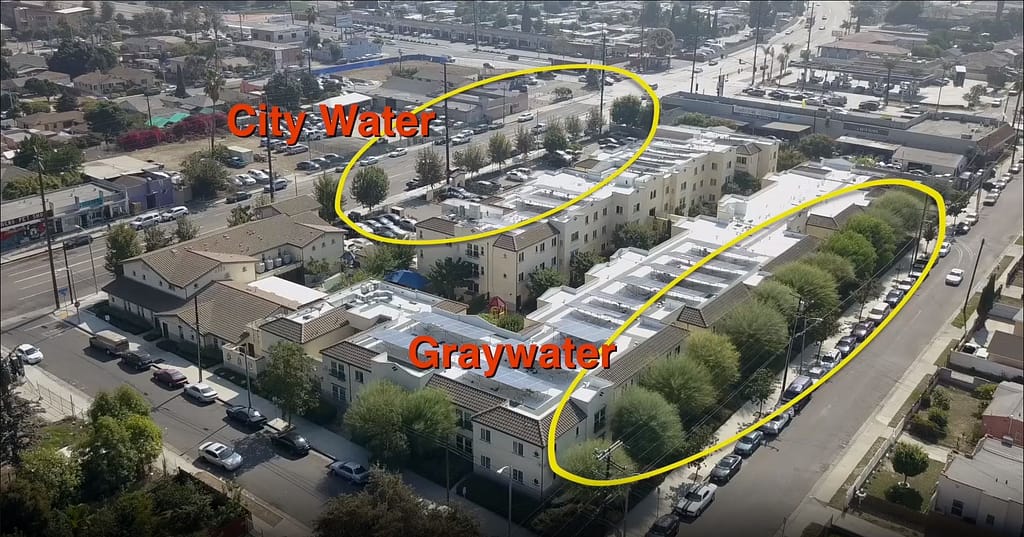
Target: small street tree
(324,190)
(627,110)
(156,238)
(473,159)
(760,388)
(554,139)
(448,275)
(580,460)
(580,263)
(573,127)
(122,243)
(562,93)
(973,95)
(289,378)
(205,175)
(370,186)
(499,148)
(429,167)
(240,214)
(540,280)
(185,229)
(909,460)
(523,143)
(429,419)
(595,121)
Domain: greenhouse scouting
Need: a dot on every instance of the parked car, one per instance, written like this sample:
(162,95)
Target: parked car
(28,354)
(307,166)
(201,392)
(369,161)
(879,312)
(747,445)
(696,501)
(665,526)
(401,151)
(109,342)
(238,196)
(862,330)
(528,116)
(351,471)
(291,441)
(220,455)
(893,297)
(279,184)
(144,221)
(846,344)
(727,467)
(778,423)
(247,416)
(137,360)
(955,277)
(76,241)
(296,149)
(519,175)
(539,128)
(259,175)
(962,228)
(171,378)
(830,359)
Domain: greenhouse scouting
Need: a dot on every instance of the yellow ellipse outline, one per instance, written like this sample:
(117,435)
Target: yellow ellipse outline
(558,470)
(656,104)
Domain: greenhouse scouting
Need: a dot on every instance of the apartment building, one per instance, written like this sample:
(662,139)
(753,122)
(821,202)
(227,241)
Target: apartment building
(156,44)
(683,167)
(41,17)
(279,32)
(985,489)
(275,55)
(162,280)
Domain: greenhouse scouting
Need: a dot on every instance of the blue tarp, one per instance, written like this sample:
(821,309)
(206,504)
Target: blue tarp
(408,278)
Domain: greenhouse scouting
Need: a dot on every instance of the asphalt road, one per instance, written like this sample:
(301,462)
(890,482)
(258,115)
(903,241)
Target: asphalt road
(777,478)
(298,487)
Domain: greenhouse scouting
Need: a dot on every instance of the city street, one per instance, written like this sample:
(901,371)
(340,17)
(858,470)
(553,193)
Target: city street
(298,487)
(779,476)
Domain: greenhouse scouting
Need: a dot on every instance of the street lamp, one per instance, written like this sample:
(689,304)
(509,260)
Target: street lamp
(507,471)
(92,261)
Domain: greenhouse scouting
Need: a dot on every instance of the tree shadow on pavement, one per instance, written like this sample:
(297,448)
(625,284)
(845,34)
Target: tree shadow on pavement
(255,449)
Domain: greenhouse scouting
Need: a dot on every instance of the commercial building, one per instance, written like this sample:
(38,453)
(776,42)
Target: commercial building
(861,45)
(85,205)
(986,488)
(473,106)
(268,54)
(278,32)
(684,167)
(114,167)
(947,132)
(41,17)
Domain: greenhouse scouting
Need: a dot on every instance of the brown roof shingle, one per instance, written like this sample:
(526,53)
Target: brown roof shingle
(451,306)
(291,207)
(522,239)
(308,331)
(142,295)
(225,311)
(440,225)
(351,354)
(464,395)
(663,343)
(528,429)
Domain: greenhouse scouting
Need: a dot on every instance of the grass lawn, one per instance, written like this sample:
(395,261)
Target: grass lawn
(962,419)
(942,360)
(963,315)
(839,498)
(60,434)
(884,477)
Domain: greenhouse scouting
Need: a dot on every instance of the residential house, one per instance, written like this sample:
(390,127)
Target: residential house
(52,121)
(14,84)
(290,207)
(279,33)
(157,44)
(26,65)
(985,489)
(1004,416)
(116,80)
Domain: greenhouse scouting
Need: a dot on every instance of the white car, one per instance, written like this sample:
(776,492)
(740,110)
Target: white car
(401,151)
(259,175)
(955,277)
(246,179)
(777,424)
(201,392)
(369,161)
(221,455)
(696,500)
(523,118)
(144,221)
(174,213)
(28,354)
(944,249)
(582,79)
(519,175)
(351,471)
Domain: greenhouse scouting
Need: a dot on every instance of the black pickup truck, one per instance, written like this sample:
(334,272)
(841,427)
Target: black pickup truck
(137,360)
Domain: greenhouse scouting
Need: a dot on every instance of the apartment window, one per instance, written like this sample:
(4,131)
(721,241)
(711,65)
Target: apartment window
(654,194)
(554,242)
(517,476)
(485,435)
(701,167)
(618,209)
(485,461)
(741,160)
(359,377)
(714,166)
(728,165)
(651,212)
(522,256)
(522,276)
(517,448)
(684,186)
(604,212)
(338,393)
(337,371)
(595,216)
(575,236)
(586,219)
(133,273)
(957,509)
(695,171)
(599,419)
(181,332)
(636,207)
(463,444)
(604,230)
(464,420)
(160,283)
(990,520)
(702,183)
(542,245)
(714,182)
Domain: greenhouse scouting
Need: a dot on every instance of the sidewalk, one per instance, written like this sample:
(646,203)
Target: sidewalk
(39,247)
(50,392)
(324,441)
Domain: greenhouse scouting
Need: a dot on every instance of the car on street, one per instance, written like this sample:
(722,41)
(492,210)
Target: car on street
(778,423)
(523,118)
(893,297)
(539,128)
(79,240)
(201,392)
(480,129)
(369,161)
(830,359)
(351,471)
(962,228)
(28,354)
(862,330)
(713,63)
(955,277)
(665,526)
(259,175)
(696,500)
(137,360)
(846,344)
(747,445)
(247,416)
(944,249)
(726,468)
(171,378)
(144,221)
(519,175)
(238,196)
(243,179)
(401,151)
(278,184)
(307,166)
(292,442)
(879,311)
(220,455)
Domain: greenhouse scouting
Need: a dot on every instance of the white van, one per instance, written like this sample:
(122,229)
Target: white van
(144,221)
(879,311)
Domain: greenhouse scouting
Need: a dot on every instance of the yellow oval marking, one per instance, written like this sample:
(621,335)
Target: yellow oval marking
(547,214)
(657,296)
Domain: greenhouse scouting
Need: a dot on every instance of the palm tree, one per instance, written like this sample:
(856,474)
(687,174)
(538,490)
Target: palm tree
(447,275)
(889,63)
(783,58)
(311,16)
(214,83)
(846,26)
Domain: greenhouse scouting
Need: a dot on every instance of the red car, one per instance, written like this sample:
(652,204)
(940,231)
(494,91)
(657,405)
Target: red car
(172,378)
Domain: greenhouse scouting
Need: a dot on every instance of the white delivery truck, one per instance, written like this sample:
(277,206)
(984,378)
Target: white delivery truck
(242,153)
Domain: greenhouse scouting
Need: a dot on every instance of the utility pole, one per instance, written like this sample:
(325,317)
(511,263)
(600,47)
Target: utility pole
(789,350)
(810,27)
(604,50)
(920,228)
(270,159)
(970,286)
(48,232)
(476,32)
(757,40)
(199,336)
(606,456)
(447,128)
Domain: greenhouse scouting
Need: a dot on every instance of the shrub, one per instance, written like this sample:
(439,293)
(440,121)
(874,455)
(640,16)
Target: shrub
(925,429)
(926,401)
(324,413)
(940,398)
(939,417)
(906,496)
(985,392)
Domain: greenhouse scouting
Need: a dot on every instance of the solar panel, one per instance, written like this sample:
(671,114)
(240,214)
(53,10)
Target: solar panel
(583,331)
(463,330)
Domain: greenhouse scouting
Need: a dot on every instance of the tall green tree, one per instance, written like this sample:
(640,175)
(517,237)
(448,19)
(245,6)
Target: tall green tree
(324,190)
(817,146)
(595,120)
(387,258)
(818,290)
(119,452)
(540,280)
(555,139)
(59,474)
(627,110)
(54,158)
(636,235)
(67,102)
(758,330)
(523,143)
(909,460)
(838,266)
(779,296)
(205,175)
(290,379)
(448,275)
(17,418)
(156,238)
(580,263)
(789,158)
(120,404)
(718,356)
(904,207)
(854,247)
(284,91)
(370,186)
(375,420)
(429,167)
(473,158)
(684,382)
(108,119)
(122,243)
(212,85)
(878,232)
(573,127)
(428,418)
(76,57)
(650,425)
(499,149)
